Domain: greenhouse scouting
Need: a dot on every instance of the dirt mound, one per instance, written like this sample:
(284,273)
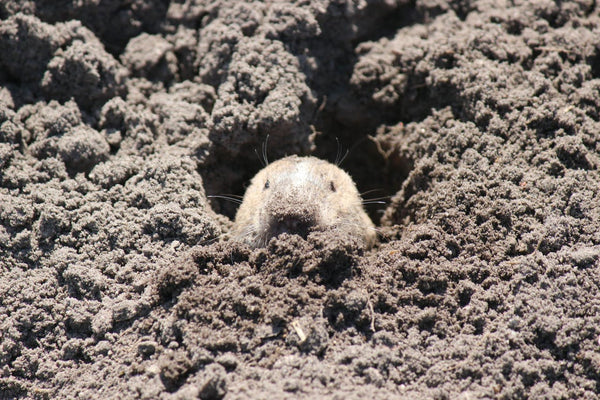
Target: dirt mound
(480,120)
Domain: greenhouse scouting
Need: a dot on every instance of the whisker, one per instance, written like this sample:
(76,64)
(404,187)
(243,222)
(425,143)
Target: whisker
(378,198)
(339,159)
(366,202)
(264,151)
(230,198)
(371,191)
(260,158)
(208,241)
(248,235)
(213,240)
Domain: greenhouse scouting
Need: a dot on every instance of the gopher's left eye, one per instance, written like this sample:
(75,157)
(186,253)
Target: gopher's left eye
(332,186)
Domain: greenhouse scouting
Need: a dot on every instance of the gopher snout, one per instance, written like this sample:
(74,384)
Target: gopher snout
(293,224)
(296,219)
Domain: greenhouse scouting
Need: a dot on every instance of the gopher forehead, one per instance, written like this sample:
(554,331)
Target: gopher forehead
(300,171)
(303,169)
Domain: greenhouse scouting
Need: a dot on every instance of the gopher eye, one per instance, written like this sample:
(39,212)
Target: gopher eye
(332,186)
(266,184)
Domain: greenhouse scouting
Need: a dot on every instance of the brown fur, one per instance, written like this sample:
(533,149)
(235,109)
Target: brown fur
(302,194)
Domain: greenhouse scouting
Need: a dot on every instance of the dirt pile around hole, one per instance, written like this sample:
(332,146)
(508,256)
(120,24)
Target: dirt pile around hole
(117,119)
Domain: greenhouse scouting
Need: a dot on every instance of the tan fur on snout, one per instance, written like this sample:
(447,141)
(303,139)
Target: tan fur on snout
(303,193)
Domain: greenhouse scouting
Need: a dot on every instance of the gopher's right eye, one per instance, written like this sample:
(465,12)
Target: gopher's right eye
(266,184)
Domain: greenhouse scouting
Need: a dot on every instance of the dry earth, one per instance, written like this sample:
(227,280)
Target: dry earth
(480,118)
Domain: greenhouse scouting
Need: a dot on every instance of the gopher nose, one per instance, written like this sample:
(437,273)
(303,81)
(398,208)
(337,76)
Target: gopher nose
(294,218)
(294,224)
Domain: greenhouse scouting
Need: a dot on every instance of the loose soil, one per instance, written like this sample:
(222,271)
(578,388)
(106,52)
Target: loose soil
(479,119)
